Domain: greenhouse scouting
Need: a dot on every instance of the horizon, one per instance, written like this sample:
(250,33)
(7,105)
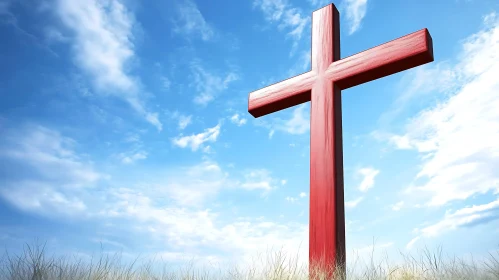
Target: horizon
(127,125)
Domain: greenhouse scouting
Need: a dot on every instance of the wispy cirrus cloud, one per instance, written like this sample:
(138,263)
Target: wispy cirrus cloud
(259,179)
(165,82)
(182,120)
(236,119)
(397,206)
(420,82)
(457,137)
(59,175)
(464,217)
(368,174)
(50,173)
(208,85)
(190,21)
(8,17)
(136,151)
(298,123)
(286,17)
(54,35)
(294,199)
(103,47)
(192,185)
(128,158)
(355,13)
(188,229)
(196,141)
(353,203)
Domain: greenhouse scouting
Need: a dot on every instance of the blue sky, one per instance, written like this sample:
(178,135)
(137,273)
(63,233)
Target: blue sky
(125,124)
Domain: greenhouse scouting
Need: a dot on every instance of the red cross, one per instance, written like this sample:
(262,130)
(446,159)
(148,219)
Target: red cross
(322,86)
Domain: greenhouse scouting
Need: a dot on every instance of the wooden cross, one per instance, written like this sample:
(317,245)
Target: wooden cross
(322,86)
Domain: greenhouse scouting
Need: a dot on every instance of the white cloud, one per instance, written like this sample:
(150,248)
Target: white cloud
(465,217)
(397,206)
(103,40)
(401,142)
(53,35)
(411,243)
(191,186)
(103,47)
(286,16)
(209,85)
(419,82)
(191,21)
(166,83)
(299,123)
(186,225)
(41,198)
(188,229)
(207,149)
(295,199)
(133,138)
(131,158)
(236,119)
(259,179)
(356,11)
(49,153)
(194,185)
(369,175)
(52,172)
(283,182)
(353,203)
(195,141)
(152,118)
(271,133)
(457,138)
(168,206)
(184,121)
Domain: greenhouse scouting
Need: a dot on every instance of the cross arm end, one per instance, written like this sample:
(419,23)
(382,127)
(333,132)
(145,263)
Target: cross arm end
(282,95)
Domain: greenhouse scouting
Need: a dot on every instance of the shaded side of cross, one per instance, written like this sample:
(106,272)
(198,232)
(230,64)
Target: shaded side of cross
(322,86)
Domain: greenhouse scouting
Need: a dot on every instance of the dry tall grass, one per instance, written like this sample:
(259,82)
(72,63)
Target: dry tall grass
(33,264)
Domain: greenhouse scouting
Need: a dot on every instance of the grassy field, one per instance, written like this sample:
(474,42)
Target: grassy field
(34,264)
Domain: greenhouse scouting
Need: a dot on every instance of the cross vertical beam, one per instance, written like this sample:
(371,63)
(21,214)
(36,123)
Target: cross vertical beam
(327,214)
(322,86)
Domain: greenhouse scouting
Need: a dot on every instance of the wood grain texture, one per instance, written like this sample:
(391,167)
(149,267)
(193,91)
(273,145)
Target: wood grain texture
(322,86)
(327,217)
(400,54)
(281,95)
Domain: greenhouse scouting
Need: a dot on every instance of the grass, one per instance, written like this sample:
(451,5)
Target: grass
(34,264)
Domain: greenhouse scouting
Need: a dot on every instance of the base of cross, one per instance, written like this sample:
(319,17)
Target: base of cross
(323,268)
